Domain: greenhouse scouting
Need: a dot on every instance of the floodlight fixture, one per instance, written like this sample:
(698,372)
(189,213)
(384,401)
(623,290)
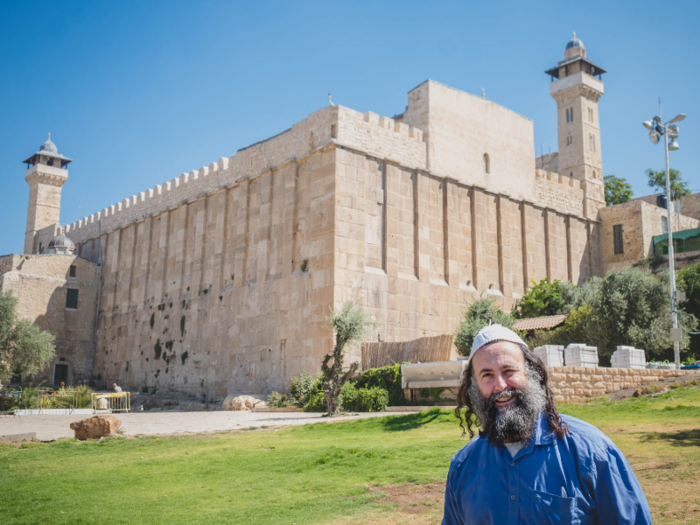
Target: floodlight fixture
(673,131)
(677,118)
(673,146)
(649,124)
(654,137)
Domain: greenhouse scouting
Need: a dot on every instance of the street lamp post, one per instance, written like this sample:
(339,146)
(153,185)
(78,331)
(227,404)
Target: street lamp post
(657,133)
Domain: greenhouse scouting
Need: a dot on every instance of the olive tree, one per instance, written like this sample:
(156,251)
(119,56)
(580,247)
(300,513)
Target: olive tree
(25,349)
(350,324)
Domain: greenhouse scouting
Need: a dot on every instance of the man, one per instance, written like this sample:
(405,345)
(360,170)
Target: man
(116,387)
(531,465)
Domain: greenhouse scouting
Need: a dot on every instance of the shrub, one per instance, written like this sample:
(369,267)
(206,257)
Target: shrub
(277,400)
(386,377)
(374,399)
(542,299)
(302,388)
(317,403)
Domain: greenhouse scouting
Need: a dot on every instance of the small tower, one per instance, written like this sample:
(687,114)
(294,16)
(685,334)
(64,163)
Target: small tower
(577,90)
(46,175)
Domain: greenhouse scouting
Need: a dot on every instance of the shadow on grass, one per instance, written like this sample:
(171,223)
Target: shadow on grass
(410,421)
(681,438)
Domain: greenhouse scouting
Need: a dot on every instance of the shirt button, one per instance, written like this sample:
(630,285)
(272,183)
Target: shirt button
(512,497)
(512,464)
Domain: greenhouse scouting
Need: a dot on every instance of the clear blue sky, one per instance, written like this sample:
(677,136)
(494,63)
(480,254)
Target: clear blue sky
(136,92)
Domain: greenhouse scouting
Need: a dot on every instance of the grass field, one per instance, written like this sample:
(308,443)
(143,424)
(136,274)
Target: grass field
(374,471)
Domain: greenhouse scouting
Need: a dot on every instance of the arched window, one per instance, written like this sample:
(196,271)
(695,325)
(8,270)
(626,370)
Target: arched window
(487,163)
(567,115)
(591,142)
(571,112)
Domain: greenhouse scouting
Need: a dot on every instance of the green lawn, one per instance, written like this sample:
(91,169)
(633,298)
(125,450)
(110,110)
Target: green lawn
(317,473)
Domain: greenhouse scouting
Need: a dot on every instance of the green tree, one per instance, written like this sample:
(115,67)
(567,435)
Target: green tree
(476,316)
(679,187)
(628,306)
(25,349)
(542,299)
(350,324)
(617,190)
(688,280)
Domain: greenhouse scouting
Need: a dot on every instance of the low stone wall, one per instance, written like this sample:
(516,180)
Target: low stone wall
(576,382)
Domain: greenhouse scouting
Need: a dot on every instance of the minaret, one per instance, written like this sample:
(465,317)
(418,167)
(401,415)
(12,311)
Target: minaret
(46,175)
(577,90)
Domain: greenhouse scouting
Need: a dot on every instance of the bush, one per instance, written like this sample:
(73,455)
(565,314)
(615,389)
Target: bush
(386,377)
(542,299)
(302,388)
(277,400)
(317,403)
(355,399)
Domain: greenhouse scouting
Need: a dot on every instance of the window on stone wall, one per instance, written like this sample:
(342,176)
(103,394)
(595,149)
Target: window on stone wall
(590,114)
(568,118)
(664,224)
(73,271)
(571,112)
(591,142)
(569,140)
(72,299)
(617,239)
(487,163)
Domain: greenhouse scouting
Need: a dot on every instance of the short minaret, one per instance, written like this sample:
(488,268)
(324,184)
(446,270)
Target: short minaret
(577,90)
(46,175)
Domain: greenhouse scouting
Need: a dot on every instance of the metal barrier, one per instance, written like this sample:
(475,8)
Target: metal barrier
(111,402)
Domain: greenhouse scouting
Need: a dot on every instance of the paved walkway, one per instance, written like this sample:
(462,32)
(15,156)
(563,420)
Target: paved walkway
(163,423)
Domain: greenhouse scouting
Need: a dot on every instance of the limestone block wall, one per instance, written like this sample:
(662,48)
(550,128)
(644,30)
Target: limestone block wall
(576,382)
(640,222)
(690,206)
(559,192)
(40,282)
(460,128)
(412,247)
(210,298)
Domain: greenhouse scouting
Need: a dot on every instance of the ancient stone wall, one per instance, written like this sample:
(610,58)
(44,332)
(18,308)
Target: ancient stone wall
(413,247)
(41,283)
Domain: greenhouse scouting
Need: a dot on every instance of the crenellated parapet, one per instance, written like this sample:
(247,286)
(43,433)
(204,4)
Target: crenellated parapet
(368,132)
(559,192)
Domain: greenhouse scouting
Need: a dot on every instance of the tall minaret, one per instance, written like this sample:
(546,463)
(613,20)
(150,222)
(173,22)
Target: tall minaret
(46,175)
(577,90)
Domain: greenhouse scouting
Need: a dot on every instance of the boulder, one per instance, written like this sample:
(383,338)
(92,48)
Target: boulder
(96,427)
(239,403)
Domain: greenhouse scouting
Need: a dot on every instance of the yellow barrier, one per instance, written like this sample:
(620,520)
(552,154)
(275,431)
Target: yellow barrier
(111,402)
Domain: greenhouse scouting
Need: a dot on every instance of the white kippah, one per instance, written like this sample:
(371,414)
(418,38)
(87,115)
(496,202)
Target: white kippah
(494,333)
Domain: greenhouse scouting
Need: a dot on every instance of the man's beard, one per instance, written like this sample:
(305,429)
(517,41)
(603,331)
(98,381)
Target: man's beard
(515,422)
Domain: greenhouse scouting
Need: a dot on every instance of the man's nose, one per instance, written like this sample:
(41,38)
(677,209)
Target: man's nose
(500,384)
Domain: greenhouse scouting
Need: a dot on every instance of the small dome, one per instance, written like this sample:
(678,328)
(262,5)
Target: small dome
(575,42)
(61,242)
(49,147)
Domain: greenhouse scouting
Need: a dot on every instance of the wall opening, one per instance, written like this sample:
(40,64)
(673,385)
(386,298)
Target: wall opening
(617,239)
(487,163)
(72,299)
(60,374)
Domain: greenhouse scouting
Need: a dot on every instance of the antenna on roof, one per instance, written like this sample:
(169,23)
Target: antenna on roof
(329,100)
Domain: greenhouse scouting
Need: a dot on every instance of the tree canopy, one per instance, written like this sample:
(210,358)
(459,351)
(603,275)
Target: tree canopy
(477,315)
(617,190)
(688,280)
(679,187)
(542,299)
(25,349)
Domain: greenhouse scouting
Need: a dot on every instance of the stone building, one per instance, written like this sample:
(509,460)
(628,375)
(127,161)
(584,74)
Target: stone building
(220,280)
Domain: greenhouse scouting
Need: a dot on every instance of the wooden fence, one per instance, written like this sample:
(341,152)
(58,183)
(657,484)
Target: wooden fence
(424,350)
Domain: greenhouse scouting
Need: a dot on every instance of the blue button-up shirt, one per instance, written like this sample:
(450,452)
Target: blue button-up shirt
(582,478)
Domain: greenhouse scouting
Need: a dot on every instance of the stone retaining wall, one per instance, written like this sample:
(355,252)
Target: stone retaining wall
(575,382)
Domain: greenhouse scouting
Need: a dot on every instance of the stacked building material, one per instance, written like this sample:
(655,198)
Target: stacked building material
(628,357)
(551,355)
(581,355)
